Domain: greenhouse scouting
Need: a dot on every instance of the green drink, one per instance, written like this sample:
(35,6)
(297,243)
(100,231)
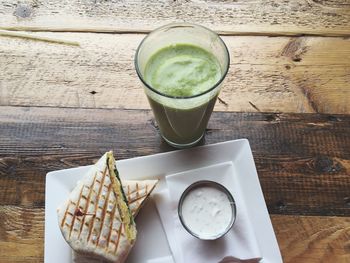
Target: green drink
(182,80)
(182,70)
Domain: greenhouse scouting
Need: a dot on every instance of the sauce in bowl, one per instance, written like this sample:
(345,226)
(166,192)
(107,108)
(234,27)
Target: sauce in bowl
(207,210)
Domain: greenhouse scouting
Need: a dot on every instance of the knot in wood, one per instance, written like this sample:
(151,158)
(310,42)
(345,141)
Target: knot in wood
(23,11)
(324,164)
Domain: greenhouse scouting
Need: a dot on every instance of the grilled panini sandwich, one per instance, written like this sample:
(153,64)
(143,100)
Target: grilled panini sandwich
(96,220)
(136,193)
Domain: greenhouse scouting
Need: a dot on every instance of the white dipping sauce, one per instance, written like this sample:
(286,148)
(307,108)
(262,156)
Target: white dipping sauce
(207,211)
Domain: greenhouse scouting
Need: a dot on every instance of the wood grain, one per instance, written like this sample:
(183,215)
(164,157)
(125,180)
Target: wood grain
(284,74)
(303,164)
(303,160)
(21,234)
(313,239)
(290,17)
(301,238)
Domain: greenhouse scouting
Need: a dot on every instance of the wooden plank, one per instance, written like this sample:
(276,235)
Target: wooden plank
(303,160)
(301,238)
(291,17)
(313,239)
(303,74)
(21,234)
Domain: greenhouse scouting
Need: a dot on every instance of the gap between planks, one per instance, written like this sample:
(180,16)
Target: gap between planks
(336,33)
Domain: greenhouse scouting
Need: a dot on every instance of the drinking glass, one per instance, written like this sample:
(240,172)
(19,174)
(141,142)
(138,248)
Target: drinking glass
(182,120)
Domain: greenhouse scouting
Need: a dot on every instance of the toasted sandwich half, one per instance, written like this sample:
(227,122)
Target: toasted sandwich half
(137,193)
(96,219)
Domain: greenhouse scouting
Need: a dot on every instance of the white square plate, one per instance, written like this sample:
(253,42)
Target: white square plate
(151,242)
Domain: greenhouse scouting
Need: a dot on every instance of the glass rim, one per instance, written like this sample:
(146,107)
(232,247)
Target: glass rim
(218,186)
(181,25)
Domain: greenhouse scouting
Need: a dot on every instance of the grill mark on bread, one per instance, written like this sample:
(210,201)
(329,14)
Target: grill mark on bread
(118,238)
(128,191)
(104,214)
(65,215)
(74,216)
(146,186)
(96,204)
(87,204)
(134,191)
(111,224)
(137,198)
(132,198)
(137,208)
(137,191)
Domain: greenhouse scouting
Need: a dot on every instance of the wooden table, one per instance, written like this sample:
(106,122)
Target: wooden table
(287,91)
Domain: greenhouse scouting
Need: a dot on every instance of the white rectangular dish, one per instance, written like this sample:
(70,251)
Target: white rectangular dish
(152,242)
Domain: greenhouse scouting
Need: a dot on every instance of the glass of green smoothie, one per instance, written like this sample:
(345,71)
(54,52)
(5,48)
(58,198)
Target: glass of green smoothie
(182,67)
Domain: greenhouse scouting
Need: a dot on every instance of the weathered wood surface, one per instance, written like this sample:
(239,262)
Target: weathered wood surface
(303,163)
(301,238)
(291,17)
(21,233)
(284,74)
(303,160)
(313,239)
